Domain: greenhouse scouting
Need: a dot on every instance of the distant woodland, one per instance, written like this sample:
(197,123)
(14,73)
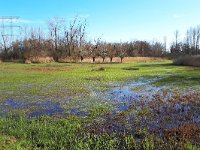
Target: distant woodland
(70,41)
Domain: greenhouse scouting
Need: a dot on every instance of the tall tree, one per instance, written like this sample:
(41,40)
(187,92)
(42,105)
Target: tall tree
(55,27)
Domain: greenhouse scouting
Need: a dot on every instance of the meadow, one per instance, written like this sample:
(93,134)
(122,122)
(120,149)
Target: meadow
(149,104)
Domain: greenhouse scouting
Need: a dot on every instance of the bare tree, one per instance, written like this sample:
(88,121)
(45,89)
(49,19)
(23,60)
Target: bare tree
(157,49)
(75,38)
(4,45)
(176,40)
(111,51)
(93,49)
(122,48)
(165,44)
(176,46)
(81,37)
(192,41)
(70,35)
(197,39)
(55,26)
(103,51)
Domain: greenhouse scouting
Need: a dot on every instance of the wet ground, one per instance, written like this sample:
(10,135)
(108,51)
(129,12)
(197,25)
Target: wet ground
(134,91)
(39,109)
(120,95)
(137,104)
(140,105)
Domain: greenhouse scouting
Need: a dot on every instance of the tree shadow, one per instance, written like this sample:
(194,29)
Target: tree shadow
(179,80)
(157,65)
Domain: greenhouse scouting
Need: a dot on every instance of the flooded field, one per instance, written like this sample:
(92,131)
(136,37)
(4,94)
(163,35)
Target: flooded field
(121,96)
(140,104)
(160,110)
(134,104)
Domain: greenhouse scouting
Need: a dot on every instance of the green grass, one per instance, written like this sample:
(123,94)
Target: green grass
(58,82)
(74,78)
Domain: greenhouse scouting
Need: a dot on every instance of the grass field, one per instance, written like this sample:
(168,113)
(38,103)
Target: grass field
(135,105)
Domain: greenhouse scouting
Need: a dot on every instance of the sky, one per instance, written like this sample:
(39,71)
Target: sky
(112,20)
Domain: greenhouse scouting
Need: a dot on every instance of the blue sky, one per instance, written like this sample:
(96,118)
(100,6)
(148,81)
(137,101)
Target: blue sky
(113,20)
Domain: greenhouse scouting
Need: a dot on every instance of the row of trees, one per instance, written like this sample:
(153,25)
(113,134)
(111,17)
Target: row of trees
(189,45)
(71,41)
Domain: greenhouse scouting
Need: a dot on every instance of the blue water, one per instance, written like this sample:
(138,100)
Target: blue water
(42,108)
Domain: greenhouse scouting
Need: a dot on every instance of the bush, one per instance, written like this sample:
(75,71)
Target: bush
(188,61)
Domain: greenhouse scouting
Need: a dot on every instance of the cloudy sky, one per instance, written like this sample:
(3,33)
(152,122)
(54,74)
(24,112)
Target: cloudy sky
(113,20)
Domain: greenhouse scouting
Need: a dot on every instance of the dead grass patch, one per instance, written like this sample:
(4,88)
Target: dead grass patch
(141,59)
(187,132)
(107,59)
(39,60)
(69,59)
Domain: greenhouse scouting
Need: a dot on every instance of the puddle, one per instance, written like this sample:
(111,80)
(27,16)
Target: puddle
(125,95)
(41,108)
(48,108)
(78,112)
(15,104)
(127,92)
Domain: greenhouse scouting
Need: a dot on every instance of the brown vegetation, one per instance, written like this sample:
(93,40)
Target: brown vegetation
(39,60)
(141,59)
(185,133)
(69,59)
(107,59)
(188,61)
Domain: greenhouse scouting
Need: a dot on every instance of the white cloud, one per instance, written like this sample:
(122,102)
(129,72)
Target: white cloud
(27,21)
(179,16)
(21,20)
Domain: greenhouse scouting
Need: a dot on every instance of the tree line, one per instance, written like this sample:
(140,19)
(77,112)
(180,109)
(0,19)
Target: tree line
(70,40)
(189,45)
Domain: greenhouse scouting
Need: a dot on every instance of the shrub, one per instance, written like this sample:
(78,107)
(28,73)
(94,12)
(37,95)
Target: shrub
(188,60)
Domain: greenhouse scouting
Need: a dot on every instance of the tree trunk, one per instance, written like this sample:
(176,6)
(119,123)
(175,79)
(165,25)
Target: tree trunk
(121,59)
(111,59)
(82,58)
(93,59)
